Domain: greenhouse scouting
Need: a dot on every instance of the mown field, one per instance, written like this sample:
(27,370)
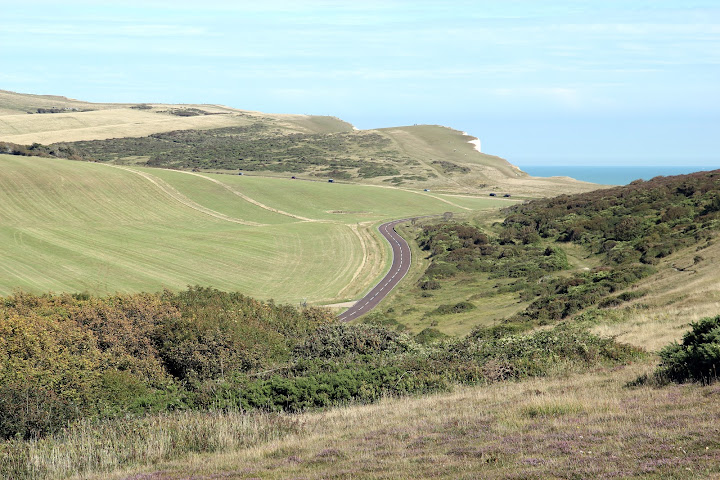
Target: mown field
(76,226)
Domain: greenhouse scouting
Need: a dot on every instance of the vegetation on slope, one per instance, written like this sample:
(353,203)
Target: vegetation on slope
(219,138)
(68,357)
(643,221)
(258,146)
(563,427)
(262,146)
(183,358)
(624,232)
(696,357)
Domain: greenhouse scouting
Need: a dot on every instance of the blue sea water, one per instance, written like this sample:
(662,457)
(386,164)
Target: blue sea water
(610,175)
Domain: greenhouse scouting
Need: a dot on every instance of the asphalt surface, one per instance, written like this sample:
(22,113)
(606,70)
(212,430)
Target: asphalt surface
(400,266)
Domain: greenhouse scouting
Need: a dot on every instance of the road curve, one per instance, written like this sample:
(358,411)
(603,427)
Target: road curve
(400,266)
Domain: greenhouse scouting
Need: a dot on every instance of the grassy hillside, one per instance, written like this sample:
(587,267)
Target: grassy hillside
(78,226)
(576,426)
(12,103)
(215,138)
(130,361)
(68,120)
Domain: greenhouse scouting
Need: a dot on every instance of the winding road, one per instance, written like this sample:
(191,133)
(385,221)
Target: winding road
(400,266)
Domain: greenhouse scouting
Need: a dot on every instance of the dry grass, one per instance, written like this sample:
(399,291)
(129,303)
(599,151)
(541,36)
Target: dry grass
(675,298)
(590,426)
(107,120)
(109,446)
(103,124)
(487,173)
(12,103)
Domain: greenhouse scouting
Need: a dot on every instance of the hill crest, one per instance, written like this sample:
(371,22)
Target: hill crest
(309,146)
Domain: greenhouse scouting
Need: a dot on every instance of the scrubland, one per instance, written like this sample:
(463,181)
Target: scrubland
(537,341)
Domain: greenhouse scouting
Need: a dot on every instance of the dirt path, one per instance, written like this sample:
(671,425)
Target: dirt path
(249,199)
(176,195)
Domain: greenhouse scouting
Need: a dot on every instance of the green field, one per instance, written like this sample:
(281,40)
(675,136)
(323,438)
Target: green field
(76,226)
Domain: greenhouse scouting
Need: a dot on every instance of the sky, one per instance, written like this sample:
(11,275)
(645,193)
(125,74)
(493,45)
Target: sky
(601,82)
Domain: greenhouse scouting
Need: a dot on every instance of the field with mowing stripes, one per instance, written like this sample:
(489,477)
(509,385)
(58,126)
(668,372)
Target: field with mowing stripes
(76,226)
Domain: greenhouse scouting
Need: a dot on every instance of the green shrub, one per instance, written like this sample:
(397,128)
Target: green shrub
(66,356)
(539,353)
(27,411)
(341,339)
(459,307)
(429,285)
(697,357)
(430,335)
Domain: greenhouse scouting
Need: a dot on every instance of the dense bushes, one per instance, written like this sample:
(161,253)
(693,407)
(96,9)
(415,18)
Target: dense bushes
(27,411)
(341,340)
(63,357)
(629,229)
(348,375)
(459,307)
(38,150)
(68,357)
(561,297)
(697,357)
(254,147)
(455,248)
(524,355)
(643,221)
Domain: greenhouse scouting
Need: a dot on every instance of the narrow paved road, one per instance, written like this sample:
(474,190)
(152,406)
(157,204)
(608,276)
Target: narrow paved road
(400,266)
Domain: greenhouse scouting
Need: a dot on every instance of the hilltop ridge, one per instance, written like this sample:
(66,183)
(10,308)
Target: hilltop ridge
(221,139)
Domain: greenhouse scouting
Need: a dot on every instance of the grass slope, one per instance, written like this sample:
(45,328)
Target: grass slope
(12,103)
(590,256)
(78,120)
(76,226)
(102,124)
(581,426)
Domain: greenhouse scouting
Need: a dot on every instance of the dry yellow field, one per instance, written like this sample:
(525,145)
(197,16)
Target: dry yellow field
(103,124)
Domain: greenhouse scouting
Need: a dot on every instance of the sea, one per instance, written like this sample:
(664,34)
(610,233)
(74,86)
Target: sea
(610,175)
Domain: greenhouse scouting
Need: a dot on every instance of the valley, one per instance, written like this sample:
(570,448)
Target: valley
(166,271)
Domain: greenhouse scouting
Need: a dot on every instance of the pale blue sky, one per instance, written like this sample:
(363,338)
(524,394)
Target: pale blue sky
(539,82)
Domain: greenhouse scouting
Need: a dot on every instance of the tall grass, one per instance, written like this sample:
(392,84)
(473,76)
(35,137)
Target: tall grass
(93,448)
(564,427)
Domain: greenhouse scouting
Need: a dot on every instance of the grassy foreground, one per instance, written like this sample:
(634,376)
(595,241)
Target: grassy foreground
(76,226)
(580,426)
